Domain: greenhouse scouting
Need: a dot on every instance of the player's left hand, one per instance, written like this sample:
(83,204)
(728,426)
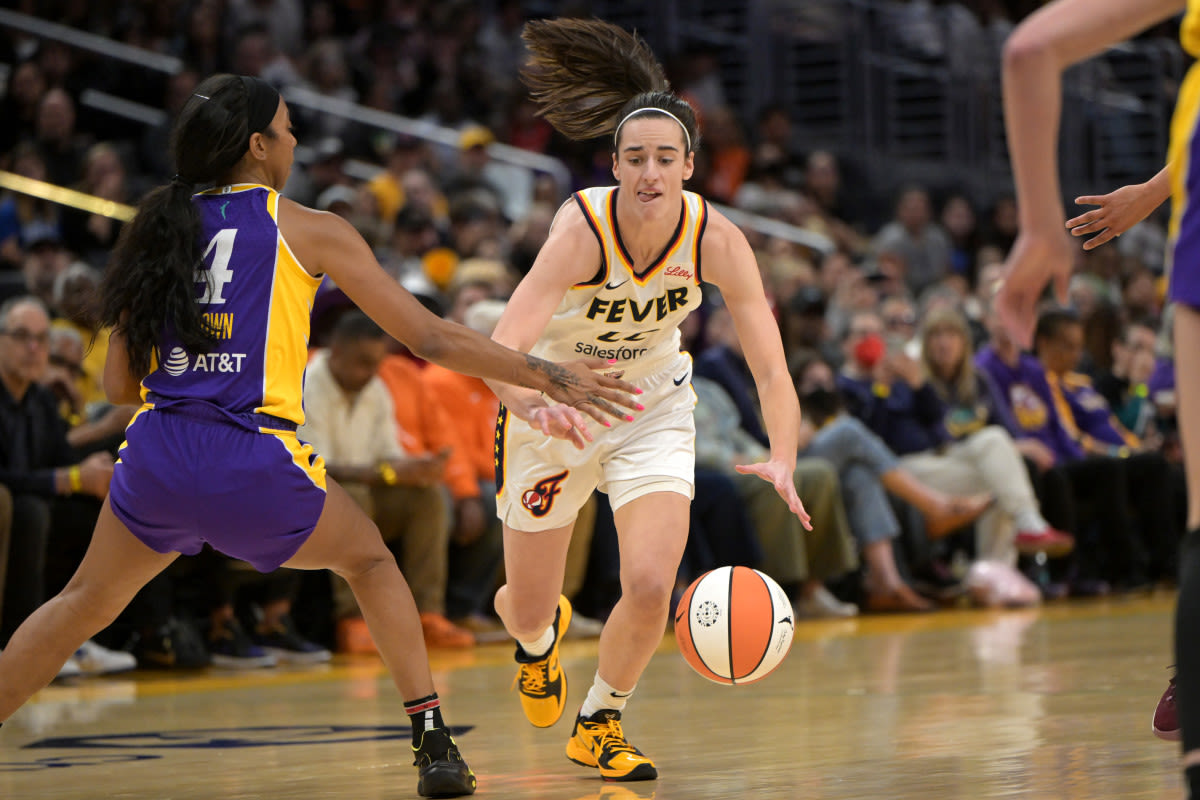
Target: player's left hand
(1118,211)
(1036,257)
(779,475)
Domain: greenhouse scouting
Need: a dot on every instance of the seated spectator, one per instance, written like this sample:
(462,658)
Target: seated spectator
(476,538)
(982,455)
(1071,485)
(54,496)
(23,216)
(100,428)
(1087,417)
(1124,385)
(916,239)
(350,421)
(869,472)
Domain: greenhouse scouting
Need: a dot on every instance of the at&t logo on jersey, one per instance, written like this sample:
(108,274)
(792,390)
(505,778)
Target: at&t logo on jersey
(540,499)
(177,362)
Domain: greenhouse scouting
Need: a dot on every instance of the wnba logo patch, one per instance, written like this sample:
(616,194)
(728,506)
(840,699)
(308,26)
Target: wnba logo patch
(540,499)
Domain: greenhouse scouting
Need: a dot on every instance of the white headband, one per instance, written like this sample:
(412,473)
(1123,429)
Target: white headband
(687,136)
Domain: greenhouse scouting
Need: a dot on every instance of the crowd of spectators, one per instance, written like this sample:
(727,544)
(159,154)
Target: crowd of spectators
(931,444)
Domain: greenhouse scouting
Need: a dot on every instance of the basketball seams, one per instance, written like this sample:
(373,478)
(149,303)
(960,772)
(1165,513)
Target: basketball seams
(770,629)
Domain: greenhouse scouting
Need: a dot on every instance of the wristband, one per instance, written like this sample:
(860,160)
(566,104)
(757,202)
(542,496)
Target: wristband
(75,478)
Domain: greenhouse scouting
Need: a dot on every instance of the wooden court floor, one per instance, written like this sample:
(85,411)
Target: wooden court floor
(1048,703)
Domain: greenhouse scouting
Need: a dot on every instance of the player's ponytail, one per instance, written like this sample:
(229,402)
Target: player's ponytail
(151,283)
(589,76)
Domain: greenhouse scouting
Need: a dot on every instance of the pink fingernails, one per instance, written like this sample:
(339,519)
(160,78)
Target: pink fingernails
(629,417)
(637,390)
(612,361)
(641,407)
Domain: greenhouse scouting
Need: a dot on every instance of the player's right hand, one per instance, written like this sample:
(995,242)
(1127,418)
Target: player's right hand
(578,385)
(562,422)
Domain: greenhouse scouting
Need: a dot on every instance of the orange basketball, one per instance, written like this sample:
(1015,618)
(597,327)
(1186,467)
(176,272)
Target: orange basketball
(734,625)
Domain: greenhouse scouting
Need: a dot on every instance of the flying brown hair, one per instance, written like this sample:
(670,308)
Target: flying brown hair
(586,75)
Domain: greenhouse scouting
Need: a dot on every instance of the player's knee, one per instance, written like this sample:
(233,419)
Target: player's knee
(360,566)
(648,588)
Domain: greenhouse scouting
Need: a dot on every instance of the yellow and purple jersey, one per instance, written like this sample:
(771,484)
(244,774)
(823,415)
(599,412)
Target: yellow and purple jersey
(258,298)
(1183,250)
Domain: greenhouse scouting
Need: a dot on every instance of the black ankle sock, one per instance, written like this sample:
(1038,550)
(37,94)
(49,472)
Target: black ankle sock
(426,714)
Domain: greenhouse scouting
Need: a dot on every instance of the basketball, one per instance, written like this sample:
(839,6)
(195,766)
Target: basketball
(734,625)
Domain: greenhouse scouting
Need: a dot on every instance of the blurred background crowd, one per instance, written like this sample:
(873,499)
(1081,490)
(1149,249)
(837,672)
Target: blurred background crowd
(942,465)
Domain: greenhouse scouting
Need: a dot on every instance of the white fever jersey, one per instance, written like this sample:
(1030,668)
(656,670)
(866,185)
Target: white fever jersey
(630,316)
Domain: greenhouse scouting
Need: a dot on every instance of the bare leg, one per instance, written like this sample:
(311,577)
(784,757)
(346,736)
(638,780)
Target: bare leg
(534,563)
(885,589)
(115,567)
(347,542)
(652,531)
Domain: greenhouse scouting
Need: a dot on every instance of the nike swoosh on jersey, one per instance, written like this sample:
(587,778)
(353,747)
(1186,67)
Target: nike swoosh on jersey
(618,286)
(679,381)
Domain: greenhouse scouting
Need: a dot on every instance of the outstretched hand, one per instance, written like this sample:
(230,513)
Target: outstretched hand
(576,384)
(1036,258)
(1118,211)
(779,475)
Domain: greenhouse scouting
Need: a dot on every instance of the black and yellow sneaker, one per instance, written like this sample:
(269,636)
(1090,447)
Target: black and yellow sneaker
(441,770)
(541,681)
(598,741)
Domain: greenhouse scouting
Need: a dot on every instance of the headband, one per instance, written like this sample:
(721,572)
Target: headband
(686,136)
(262,102)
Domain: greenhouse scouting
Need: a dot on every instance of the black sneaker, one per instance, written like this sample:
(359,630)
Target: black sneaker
(286,644)
(231,648)
(176,645)
(441,770)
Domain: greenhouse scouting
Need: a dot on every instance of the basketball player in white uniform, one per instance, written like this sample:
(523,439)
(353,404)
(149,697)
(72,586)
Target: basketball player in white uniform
(621,268)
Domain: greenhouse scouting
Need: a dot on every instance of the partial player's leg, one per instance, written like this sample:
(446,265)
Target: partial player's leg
(536,614)
(117,565)
(1187,617)
(347,542)
(652,529)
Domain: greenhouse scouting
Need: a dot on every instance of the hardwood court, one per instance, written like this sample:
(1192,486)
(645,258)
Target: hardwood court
(1049,703)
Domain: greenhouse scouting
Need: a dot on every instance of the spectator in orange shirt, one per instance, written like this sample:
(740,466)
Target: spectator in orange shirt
(476,543)
(425,428)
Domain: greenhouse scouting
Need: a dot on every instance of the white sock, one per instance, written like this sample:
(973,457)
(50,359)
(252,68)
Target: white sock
(541,645)
(1030,520)
(601,695)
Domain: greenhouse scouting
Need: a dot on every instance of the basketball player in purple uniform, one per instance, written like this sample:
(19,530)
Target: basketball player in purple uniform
(209,296)
(1039,50)
(620,270)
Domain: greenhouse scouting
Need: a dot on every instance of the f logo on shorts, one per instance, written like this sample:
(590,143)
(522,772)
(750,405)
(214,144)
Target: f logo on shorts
(540,498)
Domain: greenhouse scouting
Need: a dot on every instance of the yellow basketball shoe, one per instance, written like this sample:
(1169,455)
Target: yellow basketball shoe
(541,681)
(598,741)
